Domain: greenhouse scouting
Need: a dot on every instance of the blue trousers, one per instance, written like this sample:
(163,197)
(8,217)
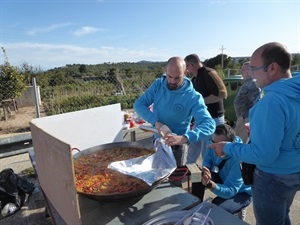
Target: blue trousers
(232,205)
(273,194)
(199,147)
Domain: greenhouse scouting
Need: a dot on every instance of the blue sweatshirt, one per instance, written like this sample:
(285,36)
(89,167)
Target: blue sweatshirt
(176,108)
(274,130)
(230,174)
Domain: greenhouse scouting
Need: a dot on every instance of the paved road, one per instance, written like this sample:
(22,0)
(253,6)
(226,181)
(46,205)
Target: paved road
(33,212)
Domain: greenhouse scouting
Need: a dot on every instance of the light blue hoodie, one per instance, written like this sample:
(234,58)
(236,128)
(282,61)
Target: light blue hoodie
(274,130)
(176,108)
(230,174)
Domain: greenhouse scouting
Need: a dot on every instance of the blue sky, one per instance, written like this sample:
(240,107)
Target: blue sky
(53,33)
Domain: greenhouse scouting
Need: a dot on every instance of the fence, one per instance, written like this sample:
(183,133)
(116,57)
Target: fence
(40,100)
(56,94)
(66,96)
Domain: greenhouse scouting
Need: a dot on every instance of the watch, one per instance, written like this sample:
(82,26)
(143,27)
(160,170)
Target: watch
(209,184)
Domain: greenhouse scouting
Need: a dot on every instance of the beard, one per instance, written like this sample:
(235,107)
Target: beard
(175,86)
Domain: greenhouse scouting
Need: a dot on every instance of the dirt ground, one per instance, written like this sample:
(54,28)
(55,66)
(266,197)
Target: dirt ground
(18,122)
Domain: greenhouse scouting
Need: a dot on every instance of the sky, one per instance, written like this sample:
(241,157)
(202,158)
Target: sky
(54,33)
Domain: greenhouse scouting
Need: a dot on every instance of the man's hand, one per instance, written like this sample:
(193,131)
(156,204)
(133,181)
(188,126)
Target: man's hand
(173,139)
(212,99)
(218,148)
(162,129)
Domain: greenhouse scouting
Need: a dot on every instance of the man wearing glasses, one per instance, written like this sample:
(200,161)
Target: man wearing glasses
(275,136)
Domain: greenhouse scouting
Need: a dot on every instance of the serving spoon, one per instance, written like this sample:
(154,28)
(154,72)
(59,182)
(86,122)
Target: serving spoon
(204,221)
(187,219)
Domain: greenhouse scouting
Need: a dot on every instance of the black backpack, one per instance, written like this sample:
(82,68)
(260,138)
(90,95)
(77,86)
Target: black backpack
(14,192)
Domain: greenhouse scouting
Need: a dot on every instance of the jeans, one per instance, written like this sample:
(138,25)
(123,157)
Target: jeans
(273,195)
(180,153)
(199,147)
(235,204)
(232,205)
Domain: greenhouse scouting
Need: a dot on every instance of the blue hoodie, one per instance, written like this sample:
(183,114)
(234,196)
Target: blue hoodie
(274,130)
(230,174)
(176,108)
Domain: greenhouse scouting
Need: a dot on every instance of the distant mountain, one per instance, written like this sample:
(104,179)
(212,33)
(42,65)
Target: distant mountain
(145,62)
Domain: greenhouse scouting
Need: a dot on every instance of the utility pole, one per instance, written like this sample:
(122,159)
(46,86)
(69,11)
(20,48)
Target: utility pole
(222,55)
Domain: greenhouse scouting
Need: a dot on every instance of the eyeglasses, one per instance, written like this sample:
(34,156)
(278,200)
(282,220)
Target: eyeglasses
(256,68)
(212,141)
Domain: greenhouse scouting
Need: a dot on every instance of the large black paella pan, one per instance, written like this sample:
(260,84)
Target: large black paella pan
(95,181)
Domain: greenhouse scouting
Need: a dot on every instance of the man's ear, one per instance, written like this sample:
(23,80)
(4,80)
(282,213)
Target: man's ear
(185,72)
(274,68)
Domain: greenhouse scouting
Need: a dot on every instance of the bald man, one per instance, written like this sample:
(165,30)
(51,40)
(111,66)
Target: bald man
(175,103)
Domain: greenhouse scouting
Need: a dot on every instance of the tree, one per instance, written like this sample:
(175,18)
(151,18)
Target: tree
(11,80)
(28,72)
(296,59)
(82,68)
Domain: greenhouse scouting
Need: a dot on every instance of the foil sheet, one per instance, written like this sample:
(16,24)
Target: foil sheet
(149,168)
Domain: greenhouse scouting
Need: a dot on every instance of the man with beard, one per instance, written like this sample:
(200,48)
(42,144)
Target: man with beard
(174,103)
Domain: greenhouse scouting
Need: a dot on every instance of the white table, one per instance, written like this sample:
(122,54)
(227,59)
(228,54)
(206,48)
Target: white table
(132,131)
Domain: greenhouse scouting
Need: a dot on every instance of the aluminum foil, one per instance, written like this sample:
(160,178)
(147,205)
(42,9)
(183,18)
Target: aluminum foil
(149,168)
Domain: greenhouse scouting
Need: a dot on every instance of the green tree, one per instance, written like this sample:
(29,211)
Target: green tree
(28,72)
(296,59)
(220,71)
(11,81)
(82,68)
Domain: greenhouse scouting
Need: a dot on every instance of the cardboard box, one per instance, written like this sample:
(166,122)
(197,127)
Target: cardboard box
(53,138)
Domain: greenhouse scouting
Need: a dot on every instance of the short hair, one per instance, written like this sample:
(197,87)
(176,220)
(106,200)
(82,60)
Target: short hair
(192,58)
(275,52)
(178,61)
(226,130)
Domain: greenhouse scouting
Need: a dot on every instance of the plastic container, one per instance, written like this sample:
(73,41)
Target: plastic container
(233,84)
(175,216)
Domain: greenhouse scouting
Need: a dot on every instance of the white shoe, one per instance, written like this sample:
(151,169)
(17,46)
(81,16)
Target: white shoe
(242,214)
